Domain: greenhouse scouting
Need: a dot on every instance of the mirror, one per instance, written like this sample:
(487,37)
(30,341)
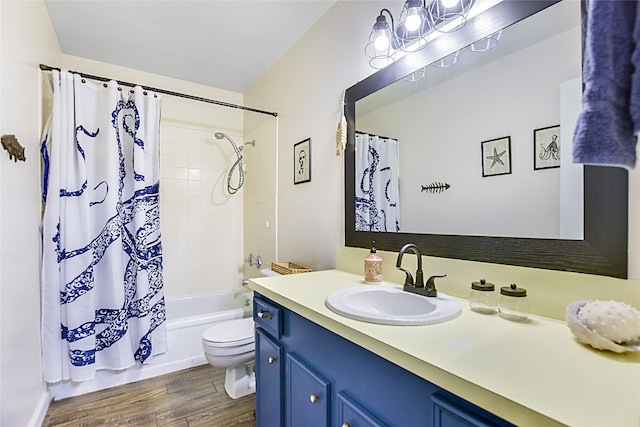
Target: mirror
(601,248)
(442,120)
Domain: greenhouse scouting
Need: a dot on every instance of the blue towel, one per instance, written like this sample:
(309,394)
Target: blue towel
(635,82)
(605,131)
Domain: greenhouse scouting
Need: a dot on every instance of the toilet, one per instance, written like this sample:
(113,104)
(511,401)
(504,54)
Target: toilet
(231,345)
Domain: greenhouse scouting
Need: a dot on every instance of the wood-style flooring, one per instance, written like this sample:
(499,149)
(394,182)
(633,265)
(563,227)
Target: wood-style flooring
(189,398)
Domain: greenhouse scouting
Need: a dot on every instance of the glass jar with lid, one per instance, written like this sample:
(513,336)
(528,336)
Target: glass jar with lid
(483,297)
(513,303)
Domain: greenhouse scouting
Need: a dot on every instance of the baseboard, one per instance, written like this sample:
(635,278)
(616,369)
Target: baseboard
(37,418)
(107,379)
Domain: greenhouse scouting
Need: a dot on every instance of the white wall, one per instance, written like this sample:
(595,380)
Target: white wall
(305,87)
(26,38)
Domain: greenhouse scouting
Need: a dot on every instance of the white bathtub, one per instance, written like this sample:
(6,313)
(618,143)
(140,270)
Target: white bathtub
(187,318)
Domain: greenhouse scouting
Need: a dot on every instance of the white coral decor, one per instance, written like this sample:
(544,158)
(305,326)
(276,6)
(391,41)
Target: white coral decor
(614,320)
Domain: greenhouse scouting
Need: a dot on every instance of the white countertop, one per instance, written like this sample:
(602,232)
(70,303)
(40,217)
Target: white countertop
(529,373)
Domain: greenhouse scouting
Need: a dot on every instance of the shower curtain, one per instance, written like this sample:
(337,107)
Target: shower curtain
(102,298)
(377,191)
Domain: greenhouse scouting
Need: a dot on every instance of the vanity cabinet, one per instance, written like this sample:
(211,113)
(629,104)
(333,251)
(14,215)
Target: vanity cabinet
(307,394)
(307,375)
(269,377)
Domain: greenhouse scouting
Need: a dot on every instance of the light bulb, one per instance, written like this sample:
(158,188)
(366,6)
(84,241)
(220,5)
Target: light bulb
(381,41)
(448,3)
(413,21)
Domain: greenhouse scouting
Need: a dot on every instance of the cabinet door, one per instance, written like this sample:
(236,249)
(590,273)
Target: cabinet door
(308,395)
(352,414)
(448,412)
(269,396)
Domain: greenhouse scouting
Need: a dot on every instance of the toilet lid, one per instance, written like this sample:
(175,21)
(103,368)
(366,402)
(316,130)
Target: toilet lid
(230,333)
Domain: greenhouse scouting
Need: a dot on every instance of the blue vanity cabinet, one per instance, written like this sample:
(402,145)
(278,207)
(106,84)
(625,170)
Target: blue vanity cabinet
(308,395)
(353,414)
(269,364)
(450,411)
(269,380)
(330,381)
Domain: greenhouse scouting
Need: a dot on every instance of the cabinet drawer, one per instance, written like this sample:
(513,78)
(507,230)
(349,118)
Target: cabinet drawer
(450,411)
(352,414)
(269,381)
(267,316)
(308,395)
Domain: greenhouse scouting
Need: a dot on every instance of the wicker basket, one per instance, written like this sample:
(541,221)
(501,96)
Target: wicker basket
(289,268)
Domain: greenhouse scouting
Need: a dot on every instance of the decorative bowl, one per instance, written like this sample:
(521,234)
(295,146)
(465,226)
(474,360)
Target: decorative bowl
(588,336)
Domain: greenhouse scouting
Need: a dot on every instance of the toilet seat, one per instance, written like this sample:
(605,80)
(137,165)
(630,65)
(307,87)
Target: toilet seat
(232,333)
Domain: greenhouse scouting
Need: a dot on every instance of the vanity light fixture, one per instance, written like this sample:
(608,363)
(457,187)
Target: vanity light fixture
(414,26)
(417,22)
(449,15)
(381,48)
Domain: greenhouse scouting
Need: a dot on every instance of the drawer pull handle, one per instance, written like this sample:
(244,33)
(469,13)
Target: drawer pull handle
(263,315)
(313,398)
(271,360)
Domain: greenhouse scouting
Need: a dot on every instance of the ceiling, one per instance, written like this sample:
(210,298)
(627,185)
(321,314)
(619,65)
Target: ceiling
(227,44)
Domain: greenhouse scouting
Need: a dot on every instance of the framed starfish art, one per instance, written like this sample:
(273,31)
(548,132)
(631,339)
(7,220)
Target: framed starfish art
(496,156)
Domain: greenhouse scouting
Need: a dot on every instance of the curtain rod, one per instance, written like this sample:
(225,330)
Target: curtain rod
(166,92)
(373,134)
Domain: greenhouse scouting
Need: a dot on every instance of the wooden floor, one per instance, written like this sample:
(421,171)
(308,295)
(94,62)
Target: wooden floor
(193,397)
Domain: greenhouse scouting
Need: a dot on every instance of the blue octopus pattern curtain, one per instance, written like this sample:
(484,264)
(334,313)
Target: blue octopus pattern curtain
(102,297)
(377,184)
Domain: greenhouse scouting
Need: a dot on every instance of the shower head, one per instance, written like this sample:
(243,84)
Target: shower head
(239,165)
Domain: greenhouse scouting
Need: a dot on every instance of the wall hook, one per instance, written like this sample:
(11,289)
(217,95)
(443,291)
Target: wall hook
(13,147)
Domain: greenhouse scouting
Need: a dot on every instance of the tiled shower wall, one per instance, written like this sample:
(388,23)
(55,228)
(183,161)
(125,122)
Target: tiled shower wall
(260,227)
(202,226)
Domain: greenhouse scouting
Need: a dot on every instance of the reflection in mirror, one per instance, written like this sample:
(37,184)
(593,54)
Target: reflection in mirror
(529,79)
(455,114)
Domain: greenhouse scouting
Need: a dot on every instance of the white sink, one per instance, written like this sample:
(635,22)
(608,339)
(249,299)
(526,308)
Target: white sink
(390,305)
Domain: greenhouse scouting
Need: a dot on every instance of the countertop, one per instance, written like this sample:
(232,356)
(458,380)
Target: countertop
(529,373)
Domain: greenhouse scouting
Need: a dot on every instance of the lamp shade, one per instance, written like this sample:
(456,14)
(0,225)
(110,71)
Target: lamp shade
(414,26)
(486,43)
(381,47)
(449,15)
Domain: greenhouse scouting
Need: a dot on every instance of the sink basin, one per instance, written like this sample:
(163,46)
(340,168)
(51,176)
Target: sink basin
(390,305)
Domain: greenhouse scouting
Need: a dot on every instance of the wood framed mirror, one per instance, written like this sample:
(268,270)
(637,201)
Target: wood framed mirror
(603,247)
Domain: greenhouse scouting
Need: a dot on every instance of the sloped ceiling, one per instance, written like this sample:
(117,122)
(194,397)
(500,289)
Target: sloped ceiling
(220,43)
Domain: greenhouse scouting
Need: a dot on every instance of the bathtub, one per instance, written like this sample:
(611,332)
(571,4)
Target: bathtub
(187,318)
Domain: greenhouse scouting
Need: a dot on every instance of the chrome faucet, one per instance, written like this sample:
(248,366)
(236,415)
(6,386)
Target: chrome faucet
(417,287)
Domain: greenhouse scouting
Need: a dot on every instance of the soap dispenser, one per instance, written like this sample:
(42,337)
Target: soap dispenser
(373,267)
